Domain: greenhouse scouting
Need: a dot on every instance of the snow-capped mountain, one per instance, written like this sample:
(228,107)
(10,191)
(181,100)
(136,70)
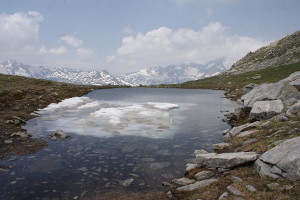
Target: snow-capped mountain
(173,74)
(61,74)
(157,75)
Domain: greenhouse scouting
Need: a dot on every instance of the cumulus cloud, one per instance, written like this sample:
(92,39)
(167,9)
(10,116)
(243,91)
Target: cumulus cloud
(19,32)
(71,40)
(85,52)
(164,46)
(58,50)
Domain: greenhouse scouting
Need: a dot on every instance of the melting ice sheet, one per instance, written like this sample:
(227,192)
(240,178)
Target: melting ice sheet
(84,116)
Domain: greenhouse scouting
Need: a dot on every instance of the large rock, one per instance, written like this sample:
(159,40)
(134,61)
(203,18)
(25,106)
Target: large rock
(196,185)
(273,91)
(239,129)
(281,161)
(293,77)
(266,109)
(225,160)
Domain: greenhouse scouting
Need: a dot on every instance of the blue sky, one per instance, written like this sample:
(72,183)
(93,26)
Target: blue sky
(128,35)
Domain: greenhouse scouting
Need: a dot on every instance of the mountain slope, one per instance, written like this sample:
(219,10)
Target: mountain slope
(282,52)
(173,74)
(60,74)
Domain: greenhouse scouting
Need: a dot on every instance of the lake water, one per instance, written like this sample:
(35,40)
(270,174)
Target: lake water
(128,139)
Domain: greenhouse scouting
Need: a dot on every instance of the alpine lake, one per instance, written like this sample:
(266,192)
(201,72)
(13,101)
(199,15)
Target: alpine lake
(121,140)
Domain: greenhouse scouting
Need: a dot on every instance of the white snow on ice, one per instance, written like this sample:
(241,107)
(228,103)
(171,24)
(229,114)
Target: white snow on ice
(85,116)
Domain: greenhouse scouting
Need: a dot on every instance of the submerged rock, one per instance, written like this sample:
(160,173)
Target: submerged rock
(59,134)
(127,182)
(225,160)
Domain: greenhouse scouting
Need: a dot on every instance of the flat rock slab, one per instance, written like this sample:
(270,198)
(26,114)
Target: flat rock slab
(225,160)
(204,175)
(183,181)
(197,185)
(282,160)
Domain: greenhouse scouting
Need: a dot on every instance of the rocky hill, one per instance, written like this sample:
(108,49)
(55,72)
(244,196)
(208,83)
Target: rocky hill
(282,52)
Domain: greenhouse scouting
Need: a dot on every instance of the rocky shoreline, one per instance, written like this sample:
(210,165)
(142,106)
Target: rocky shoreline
(259,158)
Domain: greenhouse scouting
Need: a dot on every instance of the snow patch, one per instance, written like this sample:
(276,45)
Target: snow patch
(84,116)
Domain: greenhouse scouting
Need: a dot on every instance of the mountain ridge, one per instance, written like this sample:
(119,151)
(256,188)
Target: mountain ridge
(156,75)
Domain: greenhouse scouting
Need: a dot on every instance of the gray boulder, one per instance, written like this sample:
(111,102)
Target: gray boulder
(281,161)
(272,91)
(293,80)
(225,160)
(266,109)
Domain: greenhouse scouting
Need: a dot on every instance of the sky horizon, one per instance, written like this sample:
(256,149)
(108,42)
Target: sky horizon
(130,35)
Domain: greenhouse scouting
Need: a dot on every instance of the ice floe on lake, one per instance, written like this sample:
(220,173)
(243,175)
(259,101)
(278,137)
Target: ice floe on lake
(85,116)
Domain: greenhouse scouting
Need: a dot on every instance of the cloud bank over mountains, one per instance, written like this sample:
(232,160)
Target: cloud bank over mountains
(20,39)
(162,46)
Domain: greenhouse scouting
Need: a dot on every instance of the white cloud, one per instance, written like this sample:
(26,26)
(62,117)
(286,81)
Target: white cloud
(71,40)
(19,32)
(164,46)
(85,52)
(58,50)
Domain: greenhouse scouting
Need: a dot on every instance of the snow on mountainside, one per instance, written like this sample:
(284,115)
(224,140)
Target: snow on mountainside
(173,74)
(60,74)
(156,75)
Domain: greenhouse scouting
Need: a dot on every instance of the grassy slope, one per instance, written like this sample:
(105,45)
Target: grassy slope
(235,83)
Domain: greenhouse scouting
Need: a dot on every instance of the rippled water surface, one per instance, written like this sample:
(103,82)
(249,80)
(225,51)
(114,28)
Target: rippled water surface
(128,139)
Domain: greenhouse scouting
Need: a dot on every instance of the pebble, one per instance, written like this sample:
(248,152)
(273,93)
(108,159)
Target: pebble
(8,141)
(251,188)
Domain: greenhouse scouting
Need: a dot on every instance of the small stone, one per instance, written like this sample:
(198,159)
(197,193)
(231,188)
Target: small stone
(127,182)
(234,191)
(251,188)
(288,187)
(273,186)
(169,194)
(8,141)
(203,175)
(224,196)
(236,179)
(167,184)
(183,181)
(222,170)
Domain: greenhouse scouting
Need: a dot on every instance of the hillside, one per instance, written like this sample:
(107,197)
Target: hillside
(282,52)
